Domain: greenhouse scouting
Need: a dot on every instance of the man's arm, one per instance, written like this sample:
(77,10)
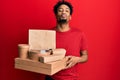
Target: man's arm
(84,56)
(73,60)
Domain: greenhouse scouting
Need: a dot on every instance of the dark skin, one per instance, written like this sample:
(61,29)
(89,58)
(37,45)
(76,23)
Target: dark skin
(63,12)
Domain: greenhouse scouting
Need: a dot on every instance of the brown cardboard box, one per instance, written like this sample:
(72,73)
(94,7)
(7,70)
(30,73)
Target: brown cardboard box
(51,55)
(38,67)
(41,40)
(51,58)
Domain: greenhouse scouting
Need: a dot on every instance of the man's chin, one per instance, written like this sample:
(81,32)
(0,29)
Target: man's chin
(62,21)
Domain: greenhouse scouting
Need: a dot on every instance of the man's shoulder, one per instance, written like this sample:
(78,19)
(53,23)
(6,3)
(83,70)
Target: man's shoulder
(78,32)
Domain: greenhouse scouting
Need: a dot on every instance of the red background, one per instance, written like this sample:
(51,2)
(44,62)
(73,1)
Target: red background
(99,19)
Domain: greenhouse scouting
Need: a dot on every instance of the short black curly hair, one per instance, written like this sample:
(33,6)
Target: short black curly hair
(59,3)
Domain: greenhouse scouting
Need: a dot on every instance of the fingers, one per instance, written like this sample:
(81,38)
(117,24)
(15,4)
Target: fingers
(70,62)
(68,66)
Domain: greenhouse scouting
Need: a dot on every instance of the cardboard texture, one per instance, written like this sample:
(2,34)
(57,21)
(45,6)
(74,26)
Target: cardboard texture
(23,50)
(38,67)
(42,39)
(51,58)
(57,54)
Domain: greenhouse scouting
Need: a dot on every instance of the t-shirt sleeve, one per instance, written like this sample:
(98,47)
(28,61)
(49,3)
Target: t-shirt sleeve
(84,45)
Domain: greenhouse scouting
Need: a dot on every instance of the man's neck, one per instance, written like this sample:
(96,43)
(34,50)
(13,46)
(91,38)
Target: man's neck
(62,27)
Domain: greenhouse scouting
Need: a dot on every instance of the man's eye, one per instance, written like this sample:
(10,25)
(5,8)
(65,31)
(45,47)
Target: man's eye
(67,11)
(60,10)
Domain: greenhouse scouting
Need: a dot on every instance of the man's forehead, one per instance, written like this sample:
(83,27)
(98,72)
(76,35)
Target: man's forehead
(63,6)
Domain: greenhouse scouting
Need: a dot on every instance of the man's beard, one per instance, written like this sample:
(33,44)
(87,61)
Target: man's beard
(62,21)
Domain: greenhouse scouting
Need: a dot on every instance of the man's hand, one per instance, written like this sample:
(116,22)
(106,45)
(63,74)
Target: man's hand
(71,61)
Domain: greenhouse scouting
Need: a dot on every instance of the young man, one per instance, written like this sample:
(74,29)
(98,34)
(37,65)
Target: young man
(73,40)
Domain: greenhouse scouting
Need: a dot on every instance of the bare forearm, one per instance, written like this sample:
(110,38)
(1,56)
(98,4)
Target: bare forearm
(84,56)
(83,59)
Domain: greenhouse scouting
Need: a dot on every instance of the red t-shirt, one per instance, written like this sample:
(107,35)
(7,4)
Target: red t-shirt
(73,41)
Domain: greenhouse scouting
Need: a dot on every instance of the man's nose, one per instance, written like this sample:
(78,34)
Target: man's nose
(63,11)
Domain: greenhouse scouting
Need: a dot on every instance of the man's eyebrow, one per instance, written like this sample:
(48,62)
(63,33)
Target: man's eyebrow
(67,8)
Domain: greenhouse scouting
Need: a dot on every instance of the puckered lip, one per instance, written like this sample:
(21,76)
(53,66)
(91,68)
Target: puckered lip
(63,15)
